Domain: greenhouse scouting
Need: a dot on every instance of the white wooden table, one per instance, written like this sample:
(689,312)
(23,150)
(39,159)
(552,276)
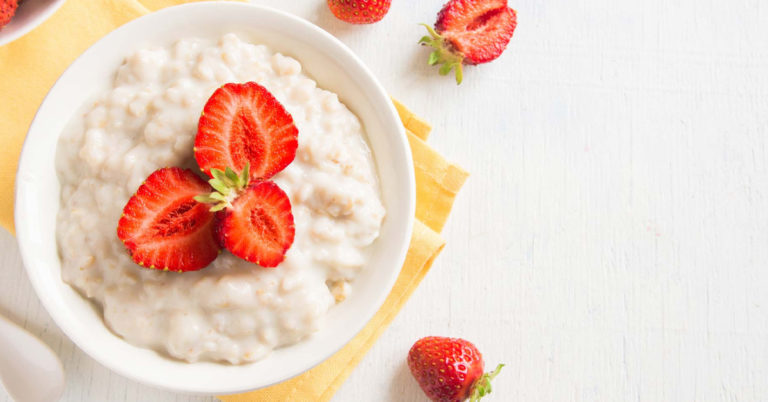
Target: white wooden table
(612,242)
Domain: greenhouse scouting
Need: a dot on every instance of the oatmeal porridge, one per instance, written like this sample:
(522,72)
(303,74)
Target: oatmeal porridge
(232,310)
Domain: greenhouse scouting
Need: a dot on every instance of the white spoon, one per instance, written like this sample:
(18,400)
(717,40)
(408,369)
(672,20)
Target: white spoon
(29,370)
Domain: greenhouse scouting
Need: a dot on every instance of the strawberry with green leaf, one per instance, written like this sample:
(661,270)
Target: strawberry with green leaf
(254,221)
(450,369)
(469,32)
(167,225)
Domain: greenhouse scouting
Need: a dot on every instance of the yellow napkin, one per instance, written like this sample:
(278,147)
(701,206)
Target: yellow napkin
(30,66)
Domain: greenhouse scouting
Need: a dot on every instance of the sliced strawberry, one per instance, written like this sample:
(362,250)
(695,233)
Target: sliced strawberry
(479,29)
(258,226)
(244,123)
(469,32)
(164,228)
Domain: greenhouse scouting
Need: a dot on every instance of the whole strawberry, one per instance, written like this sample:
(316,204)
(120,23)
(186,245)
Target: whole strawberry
(359,11)
(449,369)
(469,32)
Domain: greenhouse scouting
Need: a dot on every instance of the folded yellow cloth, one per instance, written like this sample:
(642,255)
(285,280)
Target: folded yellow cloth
(30,66)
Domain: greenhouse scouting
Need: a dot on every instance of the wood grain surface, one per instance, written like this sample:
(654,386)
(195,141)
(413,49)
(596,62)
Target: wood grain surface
(612,241)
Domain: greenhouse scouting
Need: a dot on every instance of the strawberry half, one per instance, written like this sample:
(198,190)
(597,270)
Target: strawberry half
(244,123)
(253,222)
(470,32)
(164,228)
(259,226)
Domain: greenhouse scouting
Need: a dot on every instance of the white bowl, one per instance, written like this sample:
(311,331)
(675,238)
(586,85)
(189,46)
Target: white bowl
(335,68)
(30,14)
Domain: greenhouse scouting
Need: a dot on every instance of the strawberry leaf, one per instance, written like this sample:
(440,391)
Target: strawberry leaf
(459,73)
(443,53)
(218,207)
(231,175)
(482,386)
(218,196)
(204,199)
(433,57)
(228,185)
(445,68)
(219,186)
(431,31)
(219,175)
(245,175)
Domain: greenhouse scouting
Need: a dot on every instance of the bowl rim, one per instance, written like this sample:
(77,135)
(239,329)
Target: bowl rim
(38,277)
(33,23)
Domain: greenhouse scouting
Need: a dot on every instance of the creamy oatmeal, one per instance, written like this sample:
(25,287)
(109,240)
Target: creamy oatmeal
(232,310)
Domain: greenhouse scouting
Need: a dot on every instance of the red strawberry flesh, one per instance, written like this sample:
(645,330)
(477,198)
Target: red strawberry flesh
(245,123)
(259,226)
(164,228)
(7,11)
(479,29)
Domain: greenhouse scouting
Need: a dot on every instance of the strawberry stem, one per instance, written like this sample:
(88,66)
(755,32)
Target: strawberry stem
(482,386)
(227,185)
(443,53)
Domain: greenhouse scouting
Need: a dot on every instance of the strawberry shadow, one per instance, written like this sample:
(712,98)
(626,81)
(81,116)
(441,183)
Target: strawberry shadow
(403,386)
